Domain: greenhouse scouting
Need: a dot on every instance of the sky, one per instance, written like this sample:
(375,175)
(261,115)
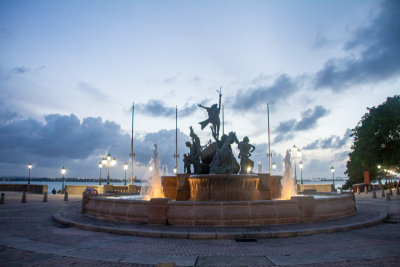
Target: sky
(70,71)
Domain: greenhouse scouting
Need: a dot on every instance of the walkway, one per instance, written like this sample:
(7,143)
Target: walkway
(29,236)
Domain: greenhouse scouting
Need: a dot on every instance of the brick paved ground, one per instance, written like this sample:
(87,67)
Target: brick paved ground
(28,236)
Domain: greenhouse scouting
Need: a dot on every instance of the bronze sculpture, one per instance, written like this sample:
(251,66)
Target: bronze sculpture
(213,118)
(246,164)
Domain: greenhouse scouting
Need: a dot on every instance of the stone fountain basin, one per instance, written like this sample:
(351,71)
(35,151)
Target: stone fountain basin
(300,209)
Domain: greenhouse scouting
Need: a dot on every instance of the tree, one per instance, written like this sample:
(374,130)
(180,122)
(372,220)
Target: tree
(376,142)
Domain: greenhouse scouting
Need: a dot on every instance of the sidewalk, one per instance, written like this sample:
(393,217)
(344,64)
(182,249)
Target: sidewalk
(29,236)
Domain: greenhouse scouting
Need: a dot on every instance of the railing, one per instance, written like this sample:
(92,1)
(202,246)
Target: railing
(120,189)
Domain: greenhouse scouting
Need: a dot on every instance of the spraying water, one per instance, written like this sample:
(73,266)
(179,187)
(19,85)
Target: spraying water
(288,187)
(154,190)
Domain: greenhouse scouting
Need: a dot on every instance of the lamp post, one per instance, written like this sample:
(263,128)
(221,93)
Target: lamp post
(301,171)
(100,166)
(108,162)
(29,168)
(296,154)
(274,166)
(63,170)
(125,168)
(333,176)
(175,170)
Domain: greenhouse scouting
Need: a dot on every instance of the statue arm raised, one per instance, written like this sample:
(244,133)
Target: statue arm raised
(252,148)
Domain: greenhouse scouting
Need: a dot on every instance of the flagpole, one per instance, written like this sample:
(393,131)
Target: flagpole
(269,142)
(131,154)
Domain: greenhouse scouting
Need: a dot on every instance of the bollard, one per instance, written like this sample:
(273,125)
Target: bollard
(66,196)
(45,197)
(358,190)
(391,192)
(2,198)
(383,192)
(366,189)
(374,194)
(24,197)
(387,196)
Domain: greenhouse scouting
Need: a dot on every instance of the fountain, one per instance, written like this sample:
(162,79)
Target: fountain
(220,191)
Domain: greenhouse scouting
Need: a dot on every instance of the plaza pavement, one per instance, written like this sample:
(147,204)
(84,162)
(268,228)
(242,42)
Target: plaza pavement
(29,237)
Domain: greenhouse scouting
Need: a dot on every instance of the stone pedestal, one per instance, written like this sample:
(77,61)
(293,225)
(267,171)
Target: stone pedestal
(108,188)
(158,210)
(169,186)
(225,187)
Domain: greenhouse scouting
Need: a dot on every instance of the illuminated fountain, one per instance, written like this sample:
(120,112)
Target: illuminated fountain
(216,195)
(154,189)
(288,186)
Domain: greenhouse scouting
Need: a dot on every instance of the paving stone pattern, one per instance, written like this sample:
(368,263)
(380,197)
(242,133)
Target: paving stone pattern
(29,237)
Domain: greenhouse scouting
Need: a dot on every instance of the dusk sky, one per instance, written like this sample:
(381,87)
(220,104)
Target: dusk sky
(70,70)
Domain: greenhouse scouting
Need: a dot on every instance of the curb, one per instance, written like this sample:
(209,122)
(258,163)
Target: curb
(59,218)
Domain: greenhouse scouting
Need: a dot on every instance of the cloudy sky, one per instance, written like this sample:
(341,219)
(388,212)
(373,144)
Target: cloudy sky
(70,70)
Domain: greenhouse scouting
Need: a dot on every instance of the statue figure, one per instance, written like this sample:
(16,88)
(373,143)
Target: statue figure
(195,151)
(245,152)
(186,163)
(224,161)
(213,118)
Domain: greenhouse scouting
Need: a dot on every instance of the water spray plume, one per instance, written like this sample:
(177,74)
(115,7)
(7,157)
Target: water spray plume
(154,190)
(288,186)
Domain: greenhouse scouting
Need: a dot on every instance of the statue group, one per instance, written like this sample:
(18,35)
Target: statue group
(217,157)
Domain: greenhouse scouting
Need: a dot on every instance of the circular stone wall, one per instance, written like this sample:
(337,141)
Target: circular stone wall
(299,209)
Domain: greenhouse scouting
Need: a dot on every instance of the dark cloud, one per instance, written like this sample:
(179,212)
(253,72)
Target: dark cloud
(333,141)
(309,119)
(251,99)
(285,126)
(66,140)
(158,108)
(379,52)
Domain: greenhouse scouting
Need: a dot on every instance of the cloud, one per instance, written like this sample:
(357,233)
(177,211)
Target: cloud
(309,118)
(308,121)
(333,141)
(170,79)
(251,99)
(379,53)
(91,91)
(158,108)
(23,70)
(67,140)
(20,70)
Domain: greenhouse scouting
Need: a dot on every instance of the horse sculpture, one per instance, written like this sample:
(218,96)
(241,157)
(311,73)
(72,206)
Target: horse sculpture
(224,162)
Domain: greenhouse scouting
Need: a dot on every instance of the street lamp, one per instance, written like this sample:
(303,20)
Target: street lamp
(108,162)
(296,154)
(248,169)
(63,170)
(100,166)
(175,170)
(333,176)
(301,171)
(29,168)
(125,168)
(274,166)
